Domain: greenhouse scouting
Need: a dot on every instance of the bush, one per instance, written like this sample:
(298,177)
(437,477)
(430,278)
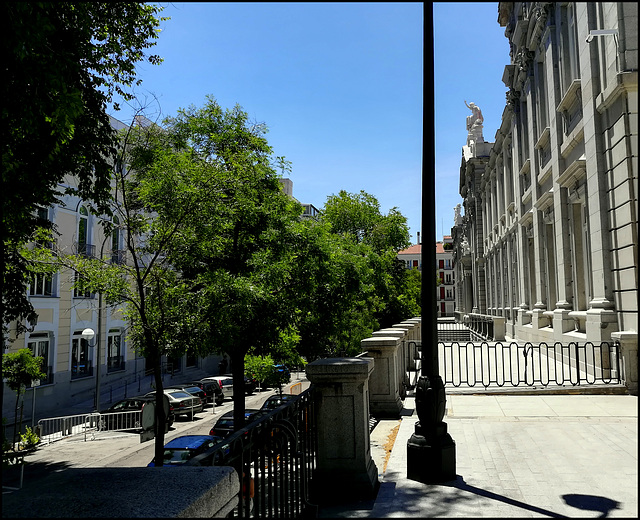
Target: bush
(29,439)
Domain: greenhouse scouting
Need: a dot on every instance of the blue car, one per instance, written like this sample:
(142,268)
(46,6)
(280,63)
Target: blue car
(185,447)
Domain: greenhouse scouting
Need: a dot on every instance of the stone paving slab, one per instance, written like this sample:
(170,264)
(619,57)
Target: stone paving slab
(520,456)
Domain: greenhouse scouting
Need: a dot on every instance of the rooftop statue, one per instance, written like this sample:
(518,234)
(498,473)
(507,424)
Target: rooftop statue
(474,126)
(475,119)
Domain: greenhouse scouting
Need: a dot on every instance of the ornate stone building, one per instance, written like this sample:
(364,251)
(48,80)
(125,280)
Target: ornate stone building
(549,235)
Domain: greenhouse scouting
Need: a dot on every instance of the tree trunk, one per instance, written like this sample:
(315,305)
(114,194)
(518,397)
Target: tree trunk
(160,413)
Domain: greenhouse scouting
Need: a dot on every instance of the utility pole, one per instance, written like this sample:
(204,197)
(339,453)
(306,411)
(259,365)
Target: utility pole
(431,452)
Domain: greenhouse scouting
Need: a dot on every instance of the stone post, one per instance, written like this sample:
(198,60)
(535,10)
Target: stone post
(345,469)
(629,358)
(402,377)
(384,396)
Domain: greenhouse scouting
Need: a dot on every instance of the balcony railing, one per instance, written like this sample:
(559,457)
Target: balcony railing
(85,250)
(82,369)
(118,256)
(115,363)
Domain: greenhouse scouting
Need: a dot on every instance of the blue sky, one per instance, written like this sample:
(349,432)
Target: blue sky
(340,86)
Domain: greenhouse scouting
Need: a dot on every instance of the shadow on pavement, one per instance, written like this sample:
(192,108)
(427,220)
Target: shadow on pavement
(33,473)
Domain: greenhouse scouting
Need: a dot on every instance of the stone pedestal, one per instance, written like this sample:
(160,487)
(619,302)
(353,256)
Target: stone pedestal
(629,358)
(345,469)
(384,384)
(400,361)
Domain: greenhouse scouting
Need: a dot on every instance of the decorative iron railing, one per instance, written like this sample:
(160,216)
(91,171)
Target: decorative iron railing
(275,457)
(497,364)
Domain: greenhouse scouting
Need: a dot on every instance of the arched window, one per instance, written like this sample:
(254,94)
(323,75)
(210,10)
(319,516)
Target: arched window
(117,253)
(83,246)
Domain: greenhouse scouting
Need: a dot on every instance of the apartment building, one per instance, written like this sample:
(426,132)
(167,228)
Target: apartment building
(71,360)
(550,228)
(444,271)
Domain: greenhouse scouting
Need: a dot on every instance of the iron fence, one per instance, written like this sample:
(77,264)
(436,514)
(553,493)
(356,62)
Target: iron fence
(275,458)
(497,364)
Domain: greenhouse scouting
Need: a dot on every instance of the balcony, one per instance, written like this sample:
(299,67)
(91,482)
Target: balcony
(118,256)
(85,250)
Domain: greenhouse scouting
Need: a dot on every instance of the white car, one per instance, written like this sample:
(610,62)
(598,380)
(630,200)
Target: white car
(226,383)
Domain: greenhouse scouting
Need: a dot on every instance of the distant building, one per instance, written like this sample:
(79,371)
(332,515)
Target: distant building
(445,291)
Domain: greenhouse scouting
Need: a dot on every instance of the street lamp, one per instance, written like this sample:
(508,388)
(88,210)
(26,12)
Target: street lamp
(431,452)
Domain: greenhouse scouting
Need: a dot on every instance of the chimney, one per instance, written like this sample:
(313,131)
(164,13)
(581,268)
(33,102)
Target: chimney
(418,237)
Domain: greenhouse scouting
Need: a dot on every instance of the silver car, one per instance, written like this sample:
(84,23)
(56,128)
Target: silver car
(183,403)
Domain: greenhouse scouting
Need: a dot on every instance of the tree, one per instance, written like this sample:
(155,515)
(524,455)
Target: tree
(63,62)
(237,249)
(379,238)
(20,369)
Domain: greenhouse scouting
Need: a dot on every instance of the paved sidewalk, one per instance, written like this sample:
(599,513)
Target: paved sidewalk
(517,456)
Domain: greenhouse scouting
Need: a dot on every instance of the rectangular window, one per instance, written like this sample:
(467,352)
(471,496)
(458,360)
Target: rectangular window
(79,291)
(80,363)
(41,285)
(115,358)
(415,263)
(441,264)
(38,343)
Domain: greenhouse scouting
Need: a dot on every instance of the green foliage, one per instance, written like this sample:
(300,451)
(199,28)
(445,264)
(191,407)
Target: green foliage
(29,439)
(62,63)
(259,367)
(20,368)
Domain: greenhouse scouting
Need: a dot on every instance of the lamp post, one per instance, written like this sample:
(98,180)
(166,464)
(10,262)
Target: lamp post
(88,334)
(431,452)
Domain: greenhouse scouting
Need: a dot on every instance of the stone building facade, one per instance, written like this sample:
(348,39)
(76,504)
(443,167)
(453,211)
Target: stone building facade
(549,235)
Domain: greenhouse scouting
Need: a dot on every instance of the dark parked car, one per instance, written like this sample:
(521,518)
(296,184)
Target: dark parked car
(276,400)
(224,425)
(212,387)
(181,449)
(192,389)
(113,420)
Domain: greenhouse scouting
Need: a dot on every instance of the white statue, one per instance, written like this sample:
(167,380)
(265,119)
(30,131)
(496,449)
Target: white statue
(475,119)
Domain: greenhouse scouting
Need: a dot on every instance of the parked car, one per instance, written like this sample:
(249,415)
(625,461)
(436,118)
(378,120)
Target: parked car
(183,402)
(214,392)
(225,382)
(224,425)
(274,401)
(112,420)
(192,389)
(250,384)
(181,449)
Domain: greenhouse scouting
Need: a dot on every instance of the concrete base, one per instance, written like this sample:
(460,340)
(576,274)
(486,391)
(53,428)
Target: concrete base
(431,455)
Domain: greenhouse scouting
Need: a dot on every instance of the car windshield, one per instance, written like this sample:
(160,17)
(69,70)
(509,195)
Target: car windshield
(192,389)
(177,456)
(224,423)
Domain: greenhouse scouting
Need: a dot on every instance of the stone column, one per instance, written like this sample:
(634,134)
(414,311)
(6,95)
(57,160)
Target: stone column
(399,361)
(629,358)
(413,343)
(384,396)
(345,469)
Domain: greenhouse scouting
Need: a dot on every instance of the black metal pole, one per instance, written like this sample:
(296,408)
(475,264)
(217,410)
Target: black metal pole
(431,452)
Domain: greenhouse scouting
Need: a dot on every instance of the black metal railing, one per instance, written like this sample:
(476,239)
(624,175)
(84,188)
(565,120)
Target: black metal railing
(82,369)
(85,250)
(115,363)
(497,364)
(275,458)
